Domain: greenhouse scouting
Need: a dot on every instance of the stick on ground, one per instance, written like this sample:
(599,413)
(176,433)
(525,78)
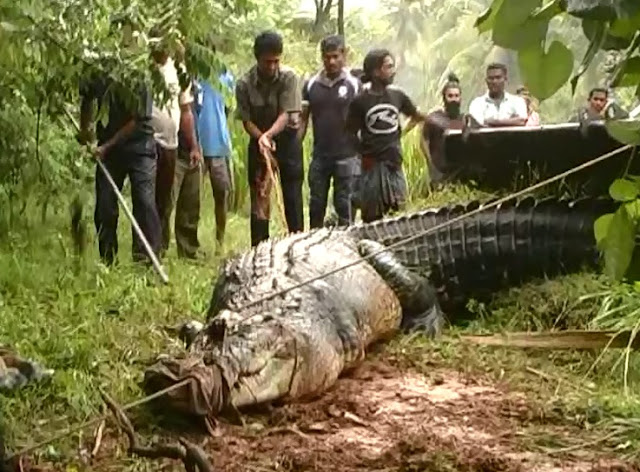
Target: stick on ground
(191,455)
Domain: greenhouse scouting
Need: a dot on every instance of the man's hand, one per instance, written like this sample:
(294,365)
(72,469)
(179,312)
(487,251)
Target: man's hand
(99,152)
(266,145)
(195,157)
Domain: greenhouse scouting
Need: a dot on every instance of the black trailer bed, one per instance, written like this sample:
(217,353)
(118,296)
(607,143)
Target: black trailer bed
(508,158)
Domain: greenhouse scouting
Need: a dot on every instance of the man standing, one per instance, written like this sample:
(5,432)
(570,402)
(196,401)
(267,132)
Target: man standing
(269,104)
(326,98)
(176,115)
(127,148)
(216,147)
(437,122)
(498,107)
(375,114)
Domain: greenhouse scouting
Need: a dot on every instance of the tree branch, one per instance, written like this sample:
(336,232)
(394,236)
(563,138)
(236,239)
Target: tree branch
(191,455)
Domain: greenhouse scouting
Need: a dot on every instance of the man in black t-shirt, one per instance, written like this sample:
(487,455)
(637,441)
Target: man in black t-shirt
(375,114)
(325,98)
(127,148)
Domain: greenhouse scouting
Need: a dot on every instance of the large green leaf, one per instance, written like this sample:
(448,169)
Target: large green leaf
(601,229)
(486,20)
(546,73)
(595,43)
(548,11)
(625,27)
(627,131)
(602,10)
(515,27)
(628,73)
(592,29)
(623,190)
(619,244)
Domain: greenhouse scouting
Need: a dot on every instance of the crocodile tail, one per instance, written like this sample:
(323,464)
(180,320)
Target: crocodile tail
(496,248)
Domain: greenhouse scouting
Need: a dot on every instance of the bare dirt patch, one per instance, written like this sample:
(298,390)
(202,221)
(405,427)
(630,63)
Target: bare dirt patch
(383,418)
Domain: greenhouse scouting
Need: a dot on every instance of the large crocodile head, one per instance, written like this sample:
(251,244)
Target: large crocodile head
(230,364)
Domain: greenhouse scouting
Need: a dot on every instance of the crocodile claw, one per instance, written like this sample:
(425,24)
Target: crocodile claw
(431,322)
(189,331)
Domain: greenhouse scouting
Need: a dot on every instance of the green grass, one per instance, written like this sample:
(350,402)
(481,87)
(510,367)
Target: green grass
(98,327)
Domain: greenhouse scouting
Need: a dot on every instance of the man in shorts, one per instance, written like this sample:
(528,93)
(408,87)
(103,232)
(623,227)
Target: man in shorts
(215,140)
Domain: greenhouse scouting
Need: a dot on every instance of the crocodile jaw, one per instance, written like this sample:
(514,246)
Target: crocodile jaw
(272,382)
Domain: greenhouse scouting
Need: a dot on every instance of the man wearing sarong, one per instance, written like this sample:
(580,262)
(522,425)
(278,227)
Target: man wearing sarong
(375,114)
(269,103)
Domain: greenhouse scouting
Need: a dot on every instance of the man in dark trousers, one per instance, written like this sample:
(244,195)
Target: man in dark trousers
(326,97)
(127,147)
(375,114)
(269,104)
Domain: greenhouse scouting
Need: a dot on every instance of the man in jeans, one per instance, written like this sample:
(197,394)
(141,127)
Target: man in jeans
(326,97)
(269,104)
(127,148)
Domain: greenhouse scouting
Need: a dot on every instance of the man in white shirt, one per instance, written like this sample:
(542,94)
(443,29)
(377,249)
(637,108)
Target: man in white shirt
(498,107)
(167,119)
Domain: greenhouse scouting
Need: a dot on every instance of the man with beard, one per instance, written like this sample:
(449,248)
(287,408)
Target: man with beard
(375,114)
(497,107)
(326,97)
(437,122)
(268,104)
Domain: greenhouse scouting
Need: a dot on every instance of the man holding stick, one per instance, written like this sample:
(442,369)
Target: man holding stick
(126,147)
(269,104)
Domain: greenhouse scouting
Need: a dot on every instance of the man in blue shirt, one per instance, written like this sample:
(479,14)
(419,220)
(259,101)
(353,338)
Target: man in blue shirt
(214,139)
(216,146)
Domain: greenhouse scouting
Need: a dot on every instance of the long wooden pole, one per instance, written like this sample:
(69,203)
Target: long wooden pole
(125,207)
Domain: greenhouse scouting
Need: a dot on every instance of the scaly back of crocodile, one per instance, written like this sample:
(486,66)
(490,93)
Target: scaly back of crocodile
(495,248)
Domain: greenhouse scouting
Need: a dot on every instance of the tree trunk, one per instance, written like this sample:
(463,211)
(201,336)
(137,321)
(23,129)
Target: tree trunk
(341,18)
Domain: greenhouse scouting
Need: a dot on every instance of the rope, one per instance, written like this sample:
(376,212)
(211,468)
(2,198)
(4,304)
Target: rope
(95,421)
(155,395)
(437,227)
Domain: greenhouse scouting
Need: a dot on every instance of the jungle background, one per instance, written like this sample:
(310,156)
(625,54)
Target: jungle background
(96,326)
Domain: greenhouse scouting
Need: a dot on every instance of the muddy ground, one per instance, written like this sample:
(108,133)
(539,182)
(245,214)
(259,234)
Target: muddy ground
(385,418)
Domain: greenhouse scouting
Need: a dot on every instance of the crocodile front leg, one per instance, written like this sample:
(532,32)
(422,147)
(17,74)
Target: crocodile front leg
(418,297)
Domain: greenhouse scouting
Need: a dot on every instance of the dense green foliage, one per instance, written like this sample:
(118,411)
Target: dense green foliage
(97,326)
(547,64)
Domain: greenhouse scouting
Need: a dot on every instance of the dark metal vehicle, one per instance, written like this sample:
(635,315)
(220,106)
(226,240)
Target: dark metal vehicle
(515,157)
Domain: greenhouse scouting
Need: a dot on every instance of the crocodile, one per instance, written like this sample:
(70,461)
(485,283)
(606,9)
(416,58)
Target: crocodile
(291,315)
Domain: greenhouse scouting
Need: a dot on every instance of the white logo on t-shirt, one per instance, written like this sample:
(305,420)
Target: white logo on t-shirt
(382,119)
(342,91)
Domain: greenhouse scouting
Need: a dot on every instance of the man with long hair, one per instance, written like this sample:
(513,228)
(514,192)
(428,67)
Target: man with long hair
(375,114)
(437,122)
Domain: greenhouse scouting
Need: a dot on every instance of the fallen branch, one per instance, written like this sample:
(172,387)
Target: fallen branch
(191,455)
(579,340)
(98,440)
